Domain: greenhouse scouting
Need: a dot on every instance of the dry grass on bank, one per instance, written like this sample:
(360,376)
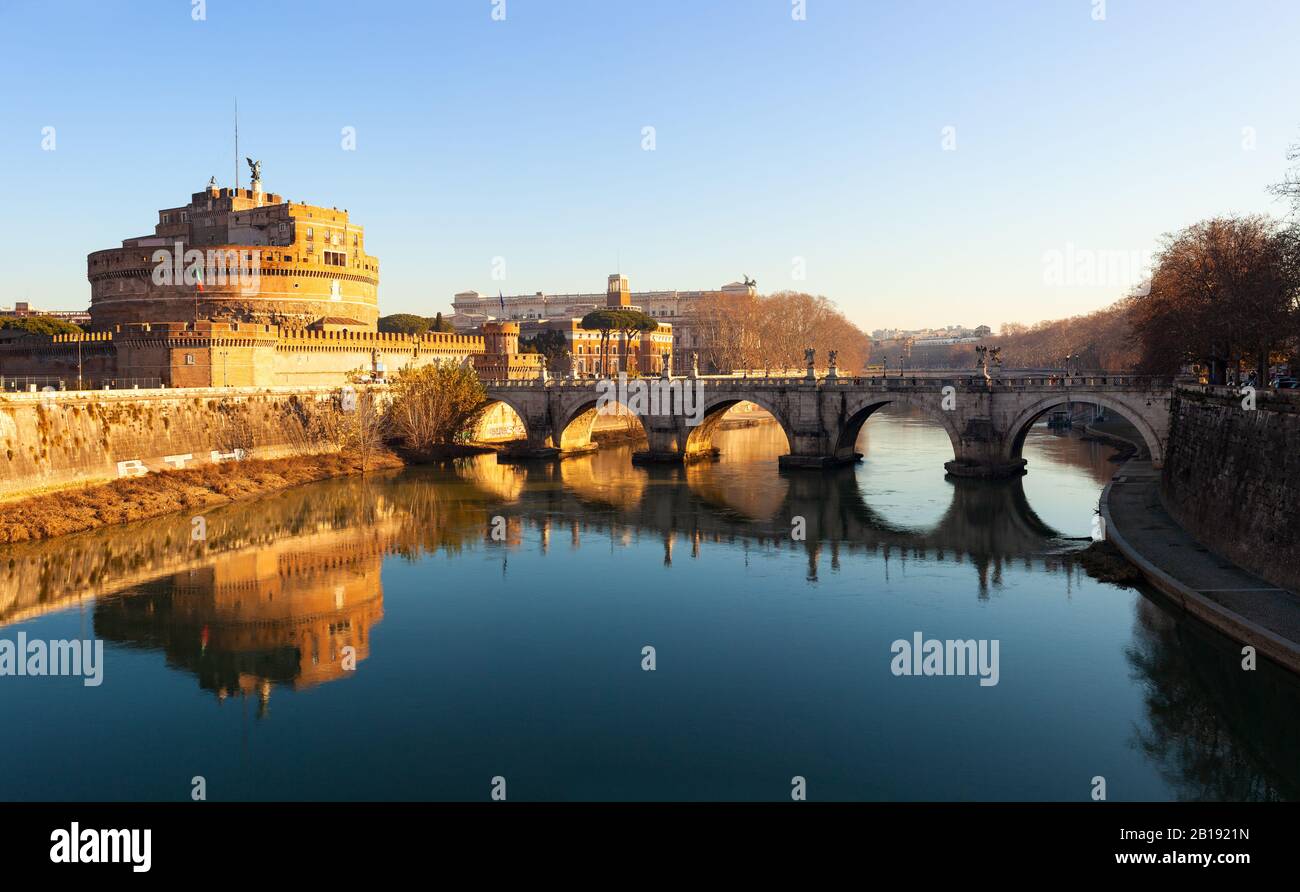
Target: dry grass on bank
(139,498)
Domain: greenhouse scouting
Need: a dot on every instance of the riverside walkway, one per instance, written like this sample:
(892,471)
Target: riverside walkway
(1239,604)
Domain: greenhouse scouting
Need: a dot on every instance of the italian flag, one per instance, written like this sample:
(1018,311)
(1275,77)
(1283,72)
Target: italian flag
(198,277)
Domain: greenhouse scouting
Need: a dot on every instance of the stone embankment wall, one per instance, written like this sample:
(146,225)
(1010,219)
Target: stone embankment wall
(1232,477)
(52,440)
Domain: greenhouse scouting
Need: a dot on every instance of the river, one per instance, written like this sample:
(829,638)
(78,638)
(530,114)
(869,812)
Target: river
(418,634)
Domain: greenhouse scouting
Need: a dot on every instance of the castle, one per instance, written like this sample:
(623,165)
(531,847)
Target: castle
(240,288)
(262,259)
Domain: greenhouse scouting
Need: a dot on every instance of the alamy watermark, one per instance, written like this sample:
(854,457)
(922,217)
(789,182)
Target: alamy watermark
(932,656)
(1077,267)
(61,657)
(90,846)
(653,396)
(216,267)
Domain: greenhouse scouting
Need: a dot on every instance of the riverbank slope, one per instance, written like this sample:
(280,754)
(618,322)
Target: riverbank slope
(1237,603)
(165,492)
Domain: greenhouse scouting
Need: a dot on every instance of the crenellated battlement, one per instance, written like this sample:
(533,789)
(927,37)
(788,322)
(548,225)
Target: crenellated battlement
(298,337)
(84,337)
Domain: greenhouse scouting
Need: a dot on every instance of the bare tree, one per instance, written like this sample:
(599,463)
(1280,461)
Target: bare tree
(234,428)
(364,427)
(308,426)
(350,421)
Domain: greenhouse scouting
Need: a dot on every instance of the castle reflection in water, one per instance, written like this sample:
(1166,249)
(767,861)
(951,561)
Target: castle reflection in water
(297,614)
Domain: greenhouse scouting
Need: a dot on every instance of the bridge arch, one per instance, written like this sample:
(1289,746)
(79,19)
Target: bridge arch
(579,421)
(494,399)
(1020,425)
(699,439)
(859,411)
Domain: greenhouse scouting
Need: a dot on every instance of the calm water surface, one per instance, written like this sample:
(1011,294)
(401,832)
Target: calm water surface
(522,658)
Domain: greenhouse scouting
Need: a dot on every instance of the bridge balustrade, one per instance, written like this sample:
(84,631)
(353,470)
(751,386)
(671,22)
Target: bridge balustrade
(883,381)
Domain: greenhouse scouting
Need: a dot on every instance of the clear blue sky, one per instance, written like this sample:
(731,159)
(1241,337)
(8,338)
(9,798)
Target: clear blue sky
(775,138)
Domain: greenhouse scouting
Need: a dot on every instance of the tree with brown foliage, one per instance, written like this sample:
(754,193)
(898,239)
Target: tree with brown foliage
(745,331)
(1102,339)
(1223,290)
(729,327)
(434,405)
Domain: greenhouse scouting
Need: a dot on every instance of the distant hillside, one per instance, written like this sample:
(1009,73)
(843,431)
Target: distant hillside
(1099,340)
(1102,340)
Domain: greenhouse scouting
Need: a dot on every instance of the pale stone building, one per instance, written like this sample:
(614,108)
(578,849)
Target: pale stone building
(676,309)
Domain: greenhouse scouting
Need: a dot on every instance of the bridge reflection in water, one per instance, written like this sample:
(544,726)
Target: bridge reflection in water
(312,555)
(283,588)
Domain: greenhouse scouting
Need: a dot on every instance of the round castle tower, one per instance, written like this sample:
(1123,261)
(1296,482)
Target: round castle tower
(239,255)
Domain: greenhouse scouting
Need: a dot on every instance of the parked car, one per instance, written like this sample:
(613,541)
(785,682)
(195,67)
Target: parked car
(1285,384)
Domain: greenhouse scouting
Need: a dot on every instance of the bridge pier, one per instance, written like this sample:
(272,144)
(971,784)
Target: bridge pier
(670,439)
(982,452)
(542,453)
(985,470)
(817,462)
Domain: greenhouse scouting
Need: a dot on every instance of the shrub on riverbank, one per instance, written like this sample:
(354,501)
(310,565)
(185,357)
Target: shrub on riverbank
(434,407)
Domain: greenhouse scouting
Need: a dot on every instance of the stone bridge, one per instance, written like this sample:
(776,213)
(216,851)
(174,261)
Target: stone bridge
(986,420)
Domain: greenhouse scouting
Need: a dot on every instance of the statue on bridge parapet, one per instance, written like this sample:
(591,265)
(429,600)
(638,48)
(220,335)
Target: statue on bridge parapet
(695,365)
(832,370)
(810,358)
(666,368)
(989,356)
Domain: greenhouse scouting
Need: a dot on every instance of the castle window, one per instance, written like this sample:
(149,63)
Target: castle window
(189,359)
